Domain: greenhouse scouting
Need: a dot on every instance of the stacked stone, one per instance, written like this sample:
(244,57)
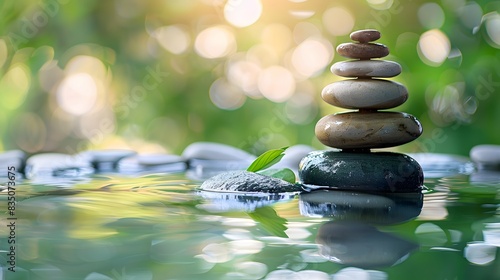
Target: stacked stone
(356,132)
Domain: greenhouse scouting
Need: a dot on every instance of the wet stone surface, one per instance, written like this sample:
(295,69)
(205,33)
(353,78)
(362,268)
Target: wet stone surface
(247,182)
(359,171)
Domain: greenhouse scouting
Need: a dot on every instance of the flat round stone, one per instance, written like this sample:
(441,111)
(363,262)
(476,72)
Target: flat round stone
(362,50)
(366,68)
(356,130)
(361,171)
(365,36)
(486,156)
(365,94)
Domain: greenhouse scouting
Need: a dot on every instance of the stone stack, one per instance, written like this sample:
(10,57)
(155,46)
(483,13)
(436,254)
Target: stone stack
(356,132)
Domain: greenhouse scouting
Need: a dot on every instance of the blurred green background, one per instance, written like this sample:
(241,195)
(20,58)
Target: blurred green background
(155,76)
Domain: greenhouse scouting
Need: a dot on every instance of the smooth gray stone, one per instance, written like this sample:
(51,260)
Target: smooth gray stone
(365,94)
(215,151)
(372,208)
(361,171)
(362,50)
(222,202)
(106,160)
(486,156)
(361,245)
(359,130)
(247,182)
(366,68)
(58,165)
(365,35)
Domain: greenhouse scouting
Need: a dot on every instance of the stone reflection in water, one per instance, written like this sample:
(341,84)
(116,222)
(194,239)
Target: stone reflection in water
(222,202)
(381,208)
(349,239)
(357,244)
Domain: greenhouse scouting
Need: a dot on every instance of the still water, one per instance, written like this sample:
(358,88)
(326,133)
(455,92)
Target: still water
(159,226)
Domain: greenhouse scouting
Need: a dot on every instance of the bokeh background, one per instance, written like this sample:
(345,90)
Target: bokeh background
(155,76)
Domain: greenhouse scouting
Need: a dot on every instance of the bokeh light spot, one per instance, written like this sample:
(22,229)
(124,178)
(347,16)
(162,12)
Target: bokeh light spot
(312,56)
(3,52)
(173,38)
(471,14)
(276,83)
(215,42)
(431,15)
(244,74)
(493,29)
(277,36)
(14,86)
(434,47)
(225,95)
(380,4)
(338,21)
(242,13)
(77,94)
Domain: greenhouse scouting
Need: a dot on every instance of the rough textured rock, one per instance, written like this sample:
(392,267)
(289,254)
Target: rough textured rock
(366,69)
(248,182)
(360,171)
(356,130)
(365,94)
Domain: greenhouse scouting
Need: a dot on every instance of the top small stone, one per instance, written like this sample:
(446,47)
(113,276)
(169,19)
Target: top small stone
(365,36)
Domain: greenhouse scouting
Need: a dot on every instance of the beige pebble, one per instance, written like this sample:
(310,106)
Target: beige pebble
(366,68)
(365,94)
(362,50)
(365,36)
(356,130)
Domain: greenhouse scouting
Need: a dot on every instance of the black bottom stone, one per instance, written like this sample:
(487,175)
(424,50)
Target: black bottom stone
(361,171)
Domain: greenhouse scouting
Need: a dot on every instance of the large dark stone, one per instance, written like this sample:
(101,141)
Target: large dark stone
(248,182)
(361,171)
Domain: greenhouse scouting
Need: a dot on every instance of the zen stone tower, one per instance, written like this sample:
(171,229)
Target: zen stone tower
(368,126)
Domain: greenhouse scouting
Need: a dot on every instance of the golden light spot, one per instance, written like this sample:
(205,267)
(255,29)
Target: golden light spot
(276,83)
(338,21)
(173,38)
(242,13)
(14,86)
(225,95)
(215,42)
(77,94)
(312,56)
(433,47)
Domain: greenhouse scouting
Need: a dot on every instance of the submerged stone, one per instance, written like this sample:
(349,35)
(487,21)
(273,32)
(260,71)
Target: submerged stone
(361,171)
(248,182)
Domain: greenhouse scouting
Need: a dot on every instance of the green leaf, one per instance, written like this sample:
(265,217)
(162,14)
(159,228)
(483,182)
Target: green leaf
(267,159)
(282,173)
(268,218)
